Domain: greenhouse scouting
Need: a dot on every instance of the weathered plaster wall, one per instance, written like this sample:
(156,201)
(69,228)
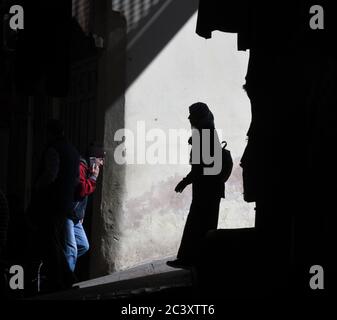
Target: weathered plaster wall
(187,70)
(137,216)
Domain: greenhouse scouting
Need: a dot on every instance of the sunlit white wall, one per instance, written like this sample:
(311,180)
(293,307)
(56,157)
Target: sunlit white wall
(189,69)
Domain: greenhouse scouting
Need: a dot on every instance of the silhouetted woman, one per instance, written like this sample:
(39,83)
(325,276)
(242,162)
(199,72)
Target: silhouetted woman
(207,187)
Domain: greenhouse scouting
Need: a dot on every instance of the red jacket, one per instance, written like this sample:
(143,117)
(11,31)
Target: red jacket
(87,183)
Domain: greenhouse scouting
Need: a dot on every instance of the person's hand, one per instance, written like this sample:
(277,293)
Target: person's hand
(95,170)
(180,186)
(100,161)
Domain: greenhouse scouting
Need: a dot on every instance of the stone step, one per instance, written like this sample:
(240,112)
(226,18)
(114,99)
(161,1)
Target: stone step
(144,279)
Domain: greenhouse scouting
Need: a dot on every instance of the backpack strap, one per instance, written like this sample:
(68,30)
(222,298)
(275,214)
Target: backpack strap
(224,144)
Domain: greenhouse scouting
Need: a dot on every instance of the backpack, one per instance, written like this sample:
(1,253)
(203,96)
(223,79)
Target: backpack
(227,163)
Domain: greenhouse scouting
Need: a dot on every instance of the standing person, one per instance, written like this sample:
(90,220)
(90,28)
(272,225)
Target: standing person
(207,189)
(52,202)
(76,243)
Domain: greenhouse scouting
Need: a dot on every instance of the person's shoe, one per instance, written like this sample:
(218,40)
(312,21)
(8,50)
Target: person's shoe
(179,263)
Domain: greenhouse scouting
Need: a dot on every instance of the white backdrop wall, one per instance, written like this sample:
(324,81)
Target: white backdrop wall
(189,69)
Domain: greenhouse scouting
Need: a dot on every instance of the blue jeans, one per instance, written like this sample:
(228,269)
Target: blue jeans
(76,243)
